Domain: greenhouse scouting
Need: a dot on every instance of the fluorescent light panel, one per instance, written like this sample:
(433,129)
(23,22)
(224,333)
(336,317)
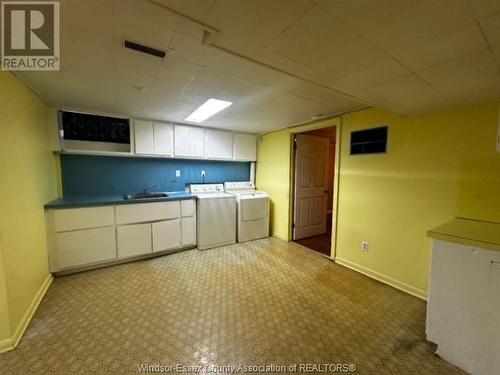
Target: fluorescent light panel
(207,109)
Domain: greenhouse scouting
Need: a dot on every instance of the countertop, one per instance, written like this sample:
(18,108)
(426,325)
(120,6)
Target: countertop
(71,202)
(471,232)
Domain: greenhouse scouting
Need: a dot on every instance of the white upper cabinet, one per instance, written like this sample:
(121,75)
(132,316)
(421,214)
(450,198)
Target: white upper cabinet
(154,138)
(189,141)
(144,134)
(218,144)
(244,147)
(163,139)
(185,141)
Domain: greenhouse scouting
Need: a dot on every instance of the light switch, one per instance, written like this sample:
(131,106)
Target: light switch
(177,173)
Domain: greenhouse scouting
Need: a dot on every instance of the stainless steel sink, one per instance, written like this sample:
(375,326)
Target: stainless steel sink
(144,195)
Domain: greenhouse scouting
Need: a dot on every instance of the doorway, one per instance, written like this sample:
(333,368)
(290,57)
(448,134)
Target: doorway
(314,181)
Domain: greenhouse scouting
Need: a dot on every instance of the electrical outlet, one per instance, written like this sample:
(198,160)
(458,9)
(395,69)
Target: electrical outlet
(177,173)
(364,245)
(203,174)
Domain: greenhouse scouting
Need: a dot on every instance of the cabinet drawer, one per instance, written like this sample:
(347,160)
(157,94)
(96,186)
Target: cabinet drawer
(188,230)
(133,240)
(166,235)
(188,207)
(82,218)
(142,212)
(82,247)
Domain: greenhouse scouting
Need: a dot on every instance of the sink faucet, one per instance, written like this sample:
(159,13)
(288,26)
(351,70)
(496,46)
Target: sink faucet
(147,189)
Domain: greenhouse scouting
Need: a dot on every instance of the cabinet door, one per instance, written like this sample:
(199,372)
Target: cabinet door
(245,147)
(218,144)
(188,229)
(133,240)
(143,131)
(166,235)
(82,247)
(163,139)
(189,141)
(188,207)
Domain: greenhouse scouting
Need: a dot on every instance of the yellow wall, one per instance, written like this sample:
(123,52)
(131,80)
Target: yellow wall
(272,176)
(437,167)
(27,182)
(4,321)
(273,173)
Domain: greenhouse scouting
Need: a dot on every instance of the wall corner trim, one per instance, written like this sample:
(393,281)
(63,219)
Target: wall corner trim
(416,292)
(9,344)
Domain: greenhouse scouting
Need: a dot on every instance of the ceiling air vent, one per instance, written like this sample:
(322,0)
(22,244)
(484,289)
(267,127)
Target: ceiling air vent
(145,49)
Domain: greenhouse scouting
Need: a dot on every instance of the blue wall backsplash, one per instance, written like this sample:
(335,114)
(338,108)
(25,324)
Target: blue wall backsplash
(84,175)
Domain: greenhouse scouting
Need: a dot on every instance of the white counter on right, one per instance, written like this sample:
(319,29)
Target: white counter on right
(463,311)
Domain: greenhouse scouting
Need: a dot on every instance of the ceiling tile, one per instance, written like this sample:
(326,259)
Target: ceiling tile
(268,56)
(141,11)
(467,77)
(319,42)
(460,42)
(197,9)
(406,94)
(485,7)
(191,50)
(349,61)
(426,25)
(372,76)
(491,27)
(312,37)
(248,25)
(250,71)
(363,15)
(329,100)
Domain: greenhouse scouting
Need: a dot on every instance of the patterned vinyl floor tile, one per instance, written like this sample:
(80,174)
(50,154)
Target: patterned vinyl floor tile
(265,302)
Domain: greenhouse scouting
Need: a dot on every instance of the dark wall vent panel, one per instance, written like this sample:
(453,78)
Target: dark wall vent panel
(94,128)
(145,49)
(369,141)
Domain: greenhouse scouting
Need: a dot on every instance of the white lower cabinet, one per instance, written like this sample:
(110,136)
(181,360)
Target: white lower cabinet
(133,240)
(81,247)
(166,235)
(82,237)
(188,231)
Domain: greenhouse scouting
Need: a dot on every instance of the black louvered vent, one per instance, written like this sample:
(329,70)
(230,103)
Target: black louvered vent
(369,141)
(145,49)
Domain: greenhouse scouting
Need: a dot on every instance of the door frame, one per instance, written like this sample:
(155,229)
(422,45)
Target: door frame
(302,129)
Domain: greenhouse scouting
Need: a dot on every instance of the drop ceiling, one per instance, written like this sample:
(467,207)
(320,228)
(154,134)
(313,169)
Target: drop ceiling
(278,61)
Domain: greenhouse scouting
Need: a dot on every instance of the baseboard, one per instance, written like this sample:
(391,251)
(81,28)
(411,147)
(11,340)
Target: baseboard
(280,236)
(416,292)
(25,321)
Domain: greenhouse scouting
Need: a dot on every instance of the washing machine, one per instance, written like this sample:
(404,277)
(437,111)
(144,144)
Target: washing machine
(253,210)
(216,215)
